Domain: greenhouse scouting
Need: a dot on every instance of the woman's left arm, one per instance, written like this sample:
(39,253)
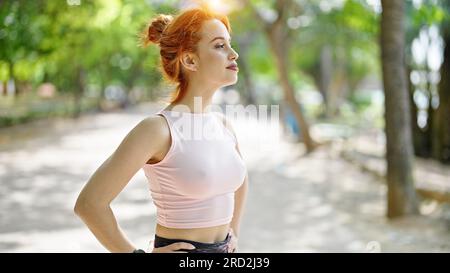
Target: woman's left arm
(240,197)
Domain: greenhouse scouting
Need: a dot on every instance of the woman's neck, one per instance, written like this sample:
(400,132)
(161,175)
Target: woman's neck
(194,102)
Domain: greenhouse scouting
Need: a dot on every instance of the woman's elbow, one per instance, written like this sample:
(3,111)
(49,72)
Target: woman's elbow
(85,205)
(80,206)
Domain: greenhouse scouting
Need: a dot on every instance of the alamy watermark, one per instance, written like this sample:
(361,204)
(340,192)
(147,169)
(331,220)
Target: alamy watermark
(260,123)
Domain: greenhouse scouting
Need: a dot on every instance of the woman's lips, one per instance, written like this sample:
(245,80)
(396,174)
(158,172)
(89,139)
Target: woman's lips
(234,68)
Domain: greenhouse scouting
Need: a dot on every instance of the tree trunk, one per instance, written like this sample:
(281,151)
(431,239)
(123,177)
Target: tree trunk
(11,78)
(338,84)
(399,150)
(279,48)
(278,36)
(441,123)
(79,91)
(5,88)
(325,75)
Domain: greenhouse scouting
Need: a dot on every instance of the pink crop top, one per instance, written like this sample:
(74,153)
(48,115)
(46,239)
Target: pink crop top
(193,185)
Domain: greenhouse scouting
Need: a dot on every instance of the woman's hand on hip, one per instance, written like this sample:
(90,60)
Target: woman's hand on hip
(233,243)
(174,248)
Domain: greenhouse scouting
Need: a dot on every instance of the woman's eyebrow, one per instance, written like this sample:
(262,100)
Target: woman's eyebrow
(218,38)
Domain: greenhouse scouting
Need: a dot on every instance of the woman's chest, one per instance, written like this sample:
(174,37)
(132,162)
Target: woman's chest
(209,166)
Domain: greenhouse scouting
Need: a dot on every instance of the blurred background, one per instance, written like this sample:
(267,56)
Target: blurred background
(74,82)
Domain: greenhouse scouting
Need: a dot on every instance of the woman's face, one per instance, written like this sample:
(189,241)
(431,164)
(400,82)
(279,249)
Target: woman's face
(215,55)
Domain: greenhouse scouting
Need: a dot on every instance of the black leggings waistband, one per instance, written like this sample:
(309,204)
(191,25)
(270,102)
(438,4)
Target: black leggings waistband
(218,247)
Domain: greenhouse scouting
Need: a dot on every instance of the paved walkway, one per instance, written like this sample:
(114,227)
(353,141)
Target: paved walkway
(317,203)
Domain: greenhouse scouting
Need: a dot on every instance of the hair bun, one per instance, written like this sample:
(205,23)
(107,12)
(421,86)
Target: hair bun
(156,28)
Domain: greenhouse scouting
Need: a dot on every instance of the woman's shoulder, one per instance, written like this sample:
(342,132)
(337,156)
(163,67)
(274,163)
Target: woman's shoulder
(154,121)
(153,128)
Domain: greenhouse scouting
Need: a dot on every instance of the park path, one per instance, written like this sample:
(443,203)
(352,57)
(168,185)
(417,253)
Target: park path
(296,203)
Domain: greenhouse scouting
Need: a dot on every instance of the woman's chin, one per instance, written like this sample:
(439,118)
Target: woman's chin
(232,81)
(227,81)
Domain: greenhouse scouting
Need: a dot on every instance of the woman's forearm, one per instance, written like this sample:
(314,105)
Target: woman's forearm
(102,223)
(240,197)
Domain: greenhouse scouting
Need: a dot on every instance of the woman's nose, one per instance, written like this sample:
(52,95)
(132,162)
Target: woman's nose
(234,55)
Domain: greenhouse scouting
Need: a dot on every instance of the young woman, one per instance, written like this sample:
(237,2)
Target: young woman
(198,184)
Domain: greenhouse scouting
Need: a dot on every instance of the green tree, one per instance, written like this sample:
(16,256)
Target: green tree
(399,155)
(336,48)
(21,32)
(279,38)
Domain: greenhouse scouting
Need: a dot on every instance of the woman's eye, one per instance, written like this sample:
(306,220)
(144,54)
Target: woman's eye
(220,46)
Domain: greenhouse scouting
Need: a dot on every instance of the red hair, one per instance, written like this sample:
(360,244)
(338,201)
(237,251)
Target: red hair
(176,36)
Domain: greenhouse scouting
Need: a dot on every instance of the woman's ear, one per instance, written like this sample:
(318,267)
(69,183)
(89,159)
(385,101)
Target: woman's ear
(189,61)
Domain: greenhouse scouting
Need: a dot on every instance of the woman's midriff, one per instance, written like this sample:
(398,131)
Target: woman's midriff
(203,235)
